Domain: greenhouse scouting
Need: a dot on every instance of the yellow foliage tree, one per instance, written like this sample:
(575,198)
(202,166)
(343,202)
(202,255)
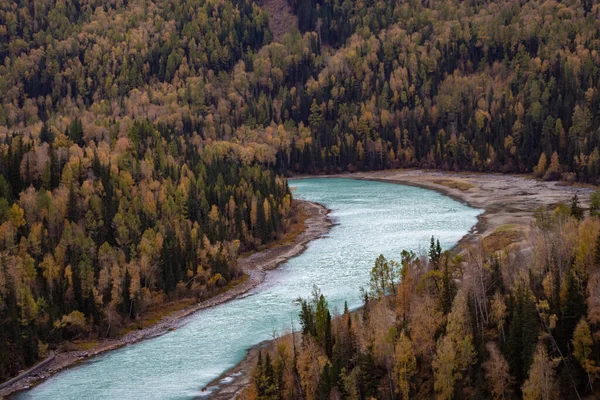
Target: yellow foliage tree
(541,384)
(405,365)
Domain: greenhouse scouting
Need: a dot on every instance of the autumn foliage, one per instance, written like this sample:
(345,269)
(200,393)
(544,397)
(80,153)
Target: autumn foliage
(92,237)
(477,325)
(143,145)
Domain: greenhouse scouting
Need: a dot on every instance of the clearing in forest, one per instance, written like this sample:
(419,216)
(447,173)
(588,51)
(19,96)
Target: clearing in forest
(281,17)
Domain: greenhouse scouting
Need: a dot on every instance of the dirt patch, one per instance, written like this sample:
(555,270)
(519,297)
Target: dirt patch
(315,222)
(502,237)
(281,17)
(454,184)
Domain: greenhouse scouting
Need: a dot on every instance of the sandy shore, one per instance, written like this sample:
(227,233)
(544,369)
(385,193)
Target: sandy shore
(508,202)
(254,266)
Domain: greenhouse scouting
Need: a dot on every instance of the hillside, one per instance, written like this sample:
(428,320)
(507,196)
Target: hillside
(452,85)
(512,312)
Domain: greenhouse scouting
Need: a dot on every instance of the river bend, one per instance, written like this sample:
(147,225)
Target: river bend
(371,218)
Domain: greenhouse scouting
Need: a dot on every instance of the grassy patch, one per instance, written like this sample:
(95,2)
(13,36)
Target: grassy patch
(452,184)
(507,228)
(157,313)
(232,284)
(502,237)
(292,232)
(85,345)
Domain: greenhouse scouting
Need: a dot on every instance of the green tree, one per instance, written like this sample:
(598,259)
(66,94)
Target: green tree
(325,383)
(75,131)
(573,303)
(46,135)
(72,204)
(315,119)
(264,378)
(307,318)
(576,210)
(435,252)
(384,276)
(595,204)
(523,332)
(323,325)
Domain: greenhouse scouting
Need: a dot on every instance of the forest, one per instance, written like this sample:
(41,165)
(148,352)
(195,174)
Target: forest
(102,220)
(92,237)
(480,86)
(145,144)
(475,324)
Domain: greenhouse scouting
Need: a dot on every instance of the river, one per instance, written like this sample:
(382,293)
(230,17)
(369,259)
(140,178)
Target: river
(371,218)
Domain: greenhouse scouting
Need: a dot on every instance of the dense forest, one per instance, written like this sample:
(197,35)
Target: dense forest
(144,143)
(477,325)
(102,220)
(93,236)
(483,86)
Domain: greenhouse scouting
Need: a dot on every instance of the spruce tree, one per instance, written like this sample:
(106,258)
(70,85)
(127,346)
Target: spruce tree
(75,131)
(576,210)
(435,252)
(573,305)
(72,206)
(46,135)
(323,325)
(307,318)
(325,383)
(523,333)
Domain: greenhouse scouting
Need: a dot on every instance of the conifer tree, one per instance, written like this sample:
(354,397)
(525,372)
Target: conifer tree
(523,332)
(573,304)
(72,204)
(595,204)
(576,210)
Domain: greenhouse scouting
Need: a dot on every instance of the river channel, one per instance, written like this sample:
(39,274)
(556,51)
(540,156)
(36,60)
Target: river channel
(371,218)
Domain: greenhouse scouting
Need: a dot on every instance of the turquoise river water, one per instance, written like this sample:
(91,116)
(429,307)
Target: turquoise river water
(371,218)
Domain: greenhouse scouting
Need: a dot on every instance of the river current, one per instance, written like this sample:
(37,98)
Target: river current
(371,218)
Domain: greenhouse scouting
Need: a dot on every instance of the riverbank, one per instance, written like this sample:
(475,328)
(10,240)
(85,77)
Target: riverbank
(508,203)
(254,267)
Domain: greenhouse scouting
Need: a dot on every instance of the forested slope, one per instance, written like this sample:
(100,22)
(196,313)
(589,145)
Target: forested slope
(103,220)
(140,139)
(498,86)
(480,325)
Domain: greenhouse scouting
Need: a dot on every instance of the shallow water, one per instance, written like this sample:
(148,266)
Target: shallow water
(372,218)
